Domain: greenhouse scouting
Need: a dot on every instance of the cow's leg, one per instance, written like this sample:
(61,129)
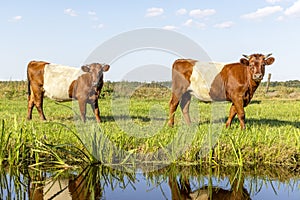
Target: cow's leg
(174,187)
(38,101)
(240,112)
(39,106)
(96,111)
(185,105)
(30,106)
(82,108)
(173,104)
(242,116)
(232,114)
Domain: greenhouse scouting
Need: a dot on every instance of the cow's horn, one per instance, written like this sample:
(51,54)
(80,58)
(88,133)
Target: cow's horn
(268,55)
(246,56)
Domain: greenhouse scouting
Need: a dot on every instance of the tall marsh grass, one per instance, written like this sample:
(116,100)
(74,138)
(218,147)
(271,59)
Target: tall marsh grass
(272,136)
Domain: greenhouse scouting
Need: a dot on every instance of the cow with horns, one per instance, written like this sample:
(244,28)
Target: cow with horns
(234,82)
(64,83)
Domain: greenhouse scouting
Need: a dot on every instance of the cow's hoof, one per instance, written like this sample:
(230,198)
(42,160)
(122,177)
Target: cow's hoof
(170,124)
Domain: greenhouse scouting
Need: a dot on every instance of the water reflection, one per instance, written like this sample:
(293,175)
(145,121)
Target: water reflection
(173,182)
(83,186)
(181,190)
(88,184)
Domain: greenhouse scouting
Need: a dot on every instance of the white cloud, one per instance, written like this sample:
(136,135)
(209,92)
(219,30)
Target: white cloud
(273,1)
(153,12)
(98,26)
(70,12)
(181,11)
(280,18)
(169,27)
(16,18)
(294,10)
(263,12)
(92,13)
(226,24)
(197,13)
(192,23)
(188,22)
(93,16)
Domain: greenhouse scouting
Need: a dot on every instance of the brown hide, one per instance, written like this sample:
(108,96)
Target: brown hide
(83,91)
(86,88)
(181,72)
(35,76)
(231,80)
(236,83)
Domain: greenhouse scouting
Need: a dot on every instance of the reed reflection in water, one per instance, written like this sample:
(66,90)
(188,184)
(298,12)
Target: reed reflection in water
(173,182)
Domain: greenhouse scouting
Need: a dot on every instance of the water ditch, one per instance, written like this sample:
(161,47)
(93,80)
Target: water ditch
(171,182)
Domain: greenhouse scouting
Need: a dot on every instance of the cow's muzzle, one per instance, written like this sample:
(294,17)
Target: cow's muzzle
(94,84)
(257,77)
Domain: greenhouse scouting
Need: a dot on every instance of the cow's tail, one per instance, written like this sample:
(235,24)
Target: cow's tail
(28,86)
(28,83)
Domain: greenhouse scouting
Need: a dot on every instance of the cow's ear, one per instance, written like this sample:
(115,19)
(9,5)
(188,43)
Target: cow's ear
(270,61)
(85,68)
(244,61)
(106,68)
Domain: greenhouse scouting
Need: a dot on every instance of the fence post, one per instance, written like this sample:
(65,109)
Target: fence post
(268,82)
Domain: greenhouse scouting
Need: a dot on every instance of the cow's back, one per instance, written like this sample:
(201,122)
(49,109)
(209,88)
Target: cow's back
(57,80)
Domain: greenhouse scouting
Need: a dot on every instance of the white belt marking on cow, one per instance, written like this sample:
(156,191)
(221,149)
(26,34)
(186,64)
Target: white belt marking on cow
(57,80)
(202,77)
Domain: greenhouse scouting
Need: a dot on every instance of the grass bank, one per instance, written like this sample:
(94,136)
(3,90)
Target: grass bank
(134,130)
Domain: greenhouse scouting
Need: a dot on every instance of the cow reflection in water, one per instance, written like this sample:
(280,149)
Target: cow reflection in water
(181,190)
(67,189)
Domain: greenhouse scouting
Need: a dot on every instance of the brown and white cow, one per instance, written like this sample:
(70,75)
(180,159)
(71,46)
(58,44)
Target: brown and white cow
(234,82)
(64,83)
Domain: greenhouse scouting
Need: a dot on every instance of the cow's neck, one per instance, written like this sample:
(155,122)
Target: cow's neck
(253,85)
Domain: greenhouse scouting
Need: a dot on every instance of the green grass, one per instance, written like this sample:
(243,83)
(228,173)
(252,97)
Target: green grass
(134,132)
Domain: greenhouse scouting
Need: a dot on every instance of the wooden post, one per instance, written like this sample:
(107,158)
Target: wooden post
(268,82)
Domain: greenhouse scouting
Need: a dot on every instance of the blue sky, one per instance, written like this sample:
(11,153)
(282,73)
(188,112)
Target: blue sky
(66,31)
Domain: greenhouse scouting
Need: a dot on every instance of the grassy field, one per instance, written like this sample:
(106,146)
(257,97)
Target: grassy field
(134,130)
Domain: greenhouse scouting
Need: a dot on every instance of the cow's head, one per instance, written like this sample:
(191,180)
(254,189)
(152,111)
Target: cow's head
(256,64)
(96,70)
